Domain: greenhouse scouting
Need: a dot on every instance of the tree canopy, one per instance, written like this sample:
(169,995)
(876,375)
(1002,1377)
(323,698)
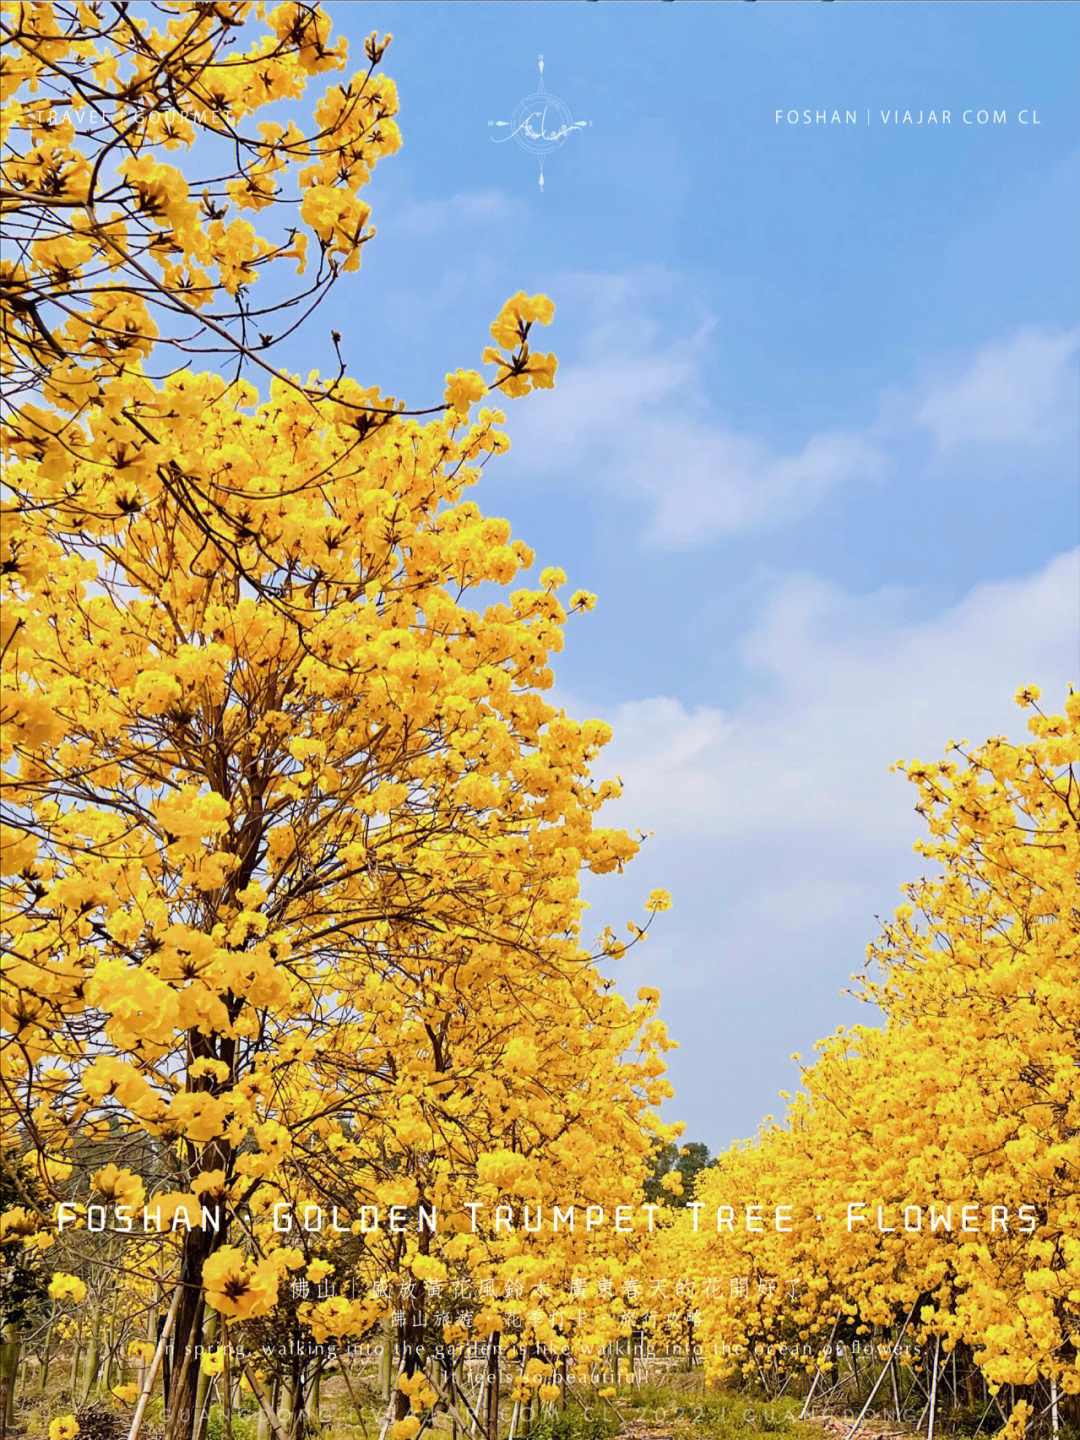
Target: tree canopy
(292,838)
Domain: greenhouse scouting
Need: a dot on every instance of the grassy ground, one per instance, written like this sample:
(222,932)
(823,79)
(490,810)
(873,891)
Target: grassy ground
(645,1412)
(677,1407)
(670,1410)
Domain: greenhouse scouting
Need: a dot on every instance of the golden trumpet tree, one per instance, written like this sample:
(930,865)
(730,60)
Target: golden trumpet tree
(292,839)
(285,855)
(964,1105)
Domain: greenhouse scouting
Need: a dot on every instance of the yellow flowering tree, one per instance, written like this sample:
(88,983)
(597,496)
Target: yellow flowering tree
(292,838)
(965,1104)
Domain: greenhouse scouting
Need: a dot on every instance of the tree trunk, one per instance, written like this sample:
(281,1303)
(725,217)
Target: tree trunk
(76,1356)
(288,1404)
(386,1361)
(9,1365)
(966,1361)
(111,1357)
(412,1335)
(46,1357)
(314,1399)
(263,1430)
(93,1357)
(151,1374)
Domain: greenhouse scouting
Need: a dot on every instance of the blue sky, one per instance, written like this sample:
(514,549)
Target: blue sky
(813,441)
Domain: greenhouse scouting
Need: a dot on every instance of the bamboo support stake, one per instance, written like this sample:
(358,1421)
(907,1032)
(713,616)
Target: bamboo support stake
(155,1365)
(388,1418)
(877,1383)
(462,1390)
(264,1404)
(613,1408)
(515,1415)
(817,1372)
(982,1417)
(448,1401)
(202,1415)
(933,1390)
(352,1396)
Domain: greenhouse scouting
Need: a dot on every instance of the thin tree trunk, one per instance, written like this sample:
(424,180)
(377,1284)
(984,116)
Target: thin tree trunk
(202,1380)
(818,1372)
(515,1414)
(284,1410)
(166,1376)
(448,1396)
(264,1406)
(351,1392)
(199,1244)
(391,1405)
(198,1247)
(202,1419)
(76,1357)
(314,1399)
(9,1365)
(386,1360)
(226,1380)
(46,1357)
(491,1412)
(182,1384)
(111,1356)
(93,1355)
(411,1335)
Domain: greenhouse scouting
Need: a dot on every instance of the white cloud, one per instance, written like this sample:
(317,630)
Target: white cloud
(628,413)
(470,207)
(776,823)
(851,688)
(1020,391)
(775,820)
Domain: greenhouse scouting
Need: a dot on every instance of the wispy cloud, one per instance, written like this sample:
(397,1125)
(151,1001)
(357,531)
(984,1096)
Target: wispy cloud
(1019,391)
(453,212)
(629,414)
(777,825)
(849,687)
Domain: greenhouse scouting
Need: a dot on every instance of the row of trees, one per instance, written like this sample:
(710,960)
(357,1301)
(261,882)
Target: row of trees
(292,838)
(967,1095)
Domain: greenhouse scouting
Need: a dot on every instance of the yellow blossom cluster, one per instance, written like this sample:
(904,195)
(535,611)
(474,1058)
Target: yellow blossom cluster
(107,240)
